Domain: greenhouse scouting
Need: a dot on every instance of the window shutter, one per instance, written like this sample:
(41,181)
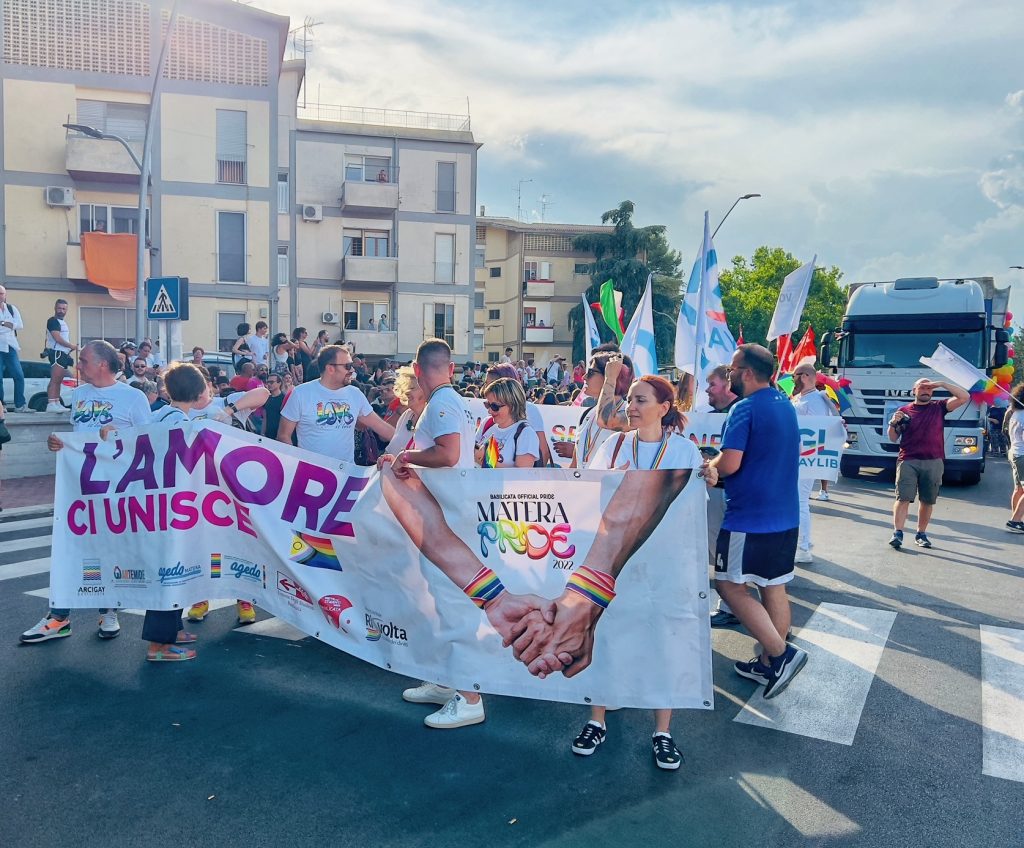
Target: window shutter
(545,270)
(230,135)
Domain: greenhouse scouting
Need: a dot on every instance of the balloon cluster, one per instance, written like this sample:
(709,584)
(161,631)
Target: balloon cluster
(988,391)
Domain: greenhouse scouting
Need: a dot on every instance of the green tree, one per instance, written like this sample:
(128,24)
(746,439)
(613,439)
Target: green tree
(751,290)
(627,255)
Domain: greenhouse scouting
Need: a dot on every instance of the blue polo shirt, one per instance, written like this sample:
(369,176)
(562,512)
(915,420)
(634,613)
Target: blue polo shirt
(762,497)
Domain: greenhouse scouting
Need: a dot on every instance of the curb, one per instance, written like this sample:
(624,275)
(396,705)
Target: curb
(18,513)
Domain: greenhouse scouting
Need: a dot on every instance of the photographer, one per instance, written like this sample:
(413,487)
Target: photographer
(919,428)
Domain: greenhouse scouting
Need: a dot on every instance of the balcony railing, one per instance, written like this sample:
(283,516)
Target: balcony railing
(384,117)
(371,174)
(230,171)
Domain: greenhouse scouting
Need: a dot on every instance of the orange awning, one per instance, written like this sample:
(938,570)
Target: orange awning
(110,260)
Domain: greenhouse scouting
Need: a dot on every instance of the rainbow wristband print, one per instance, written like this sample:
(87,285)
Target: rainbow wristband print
(598,587)
(483,588)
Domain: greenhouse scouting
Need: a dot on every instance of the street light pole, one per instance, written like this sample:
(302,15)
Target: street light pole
(736,201)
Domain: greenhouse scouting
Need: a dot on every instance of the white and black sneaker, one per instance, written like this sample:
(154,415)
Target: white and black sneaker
(588,739)
(666,754)
(783,669)
(109,627)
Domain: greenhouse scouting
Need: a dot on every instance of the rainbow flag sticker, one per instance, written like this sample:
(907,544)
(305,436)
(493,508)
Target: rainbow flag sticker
(214,565)
(91,571)
(314,551)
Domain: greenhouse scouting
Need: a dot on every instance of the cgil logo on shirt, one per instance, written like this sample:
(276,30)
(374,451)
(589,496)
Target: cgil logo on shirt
(331,412)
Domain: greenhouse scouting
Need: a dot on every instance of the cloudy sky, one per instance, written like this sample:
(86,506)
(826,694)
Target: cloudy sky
(886,137)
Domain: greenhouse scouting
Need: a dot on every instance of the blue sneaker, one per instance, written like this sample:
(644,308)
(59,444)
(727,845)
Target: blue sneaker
(897,539)
(754,670)
(783,669)
(922,540)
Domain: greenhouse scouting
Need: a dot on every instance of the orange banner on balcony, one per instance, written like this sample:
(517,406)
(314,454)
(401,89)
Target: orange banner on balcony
(110,259)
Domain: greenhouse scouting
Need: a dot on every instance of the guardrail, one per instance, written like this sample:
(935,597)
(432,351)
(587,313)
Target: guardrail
(384,117)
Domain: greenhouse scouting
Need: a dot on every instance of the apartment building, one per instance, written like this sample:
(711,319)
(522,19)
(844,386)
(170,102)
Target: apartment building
(528,277)
(258,202)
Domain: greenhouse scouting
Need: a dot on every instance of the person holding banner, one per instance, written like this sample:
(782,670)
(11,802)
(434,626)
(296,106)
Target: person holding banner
(506,439)
(653,443)
(607,379)
(807,400)
(410,395)
(533,416)
(99,401)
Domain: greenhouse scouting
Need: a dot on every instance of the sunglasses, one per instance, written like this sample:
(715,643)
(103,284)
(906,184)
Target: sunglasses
(494,407)
(593,372)
(348,366)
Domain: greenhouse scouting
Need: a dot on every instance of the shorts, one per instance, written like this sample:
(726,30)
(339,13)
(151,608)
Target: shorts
(762,558)
(1017,467)
(919,478)
(59,357)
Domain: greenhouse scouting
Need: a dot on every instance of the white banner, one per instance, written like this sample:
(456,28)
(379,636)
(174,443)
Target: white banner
(792,297)
(377,567)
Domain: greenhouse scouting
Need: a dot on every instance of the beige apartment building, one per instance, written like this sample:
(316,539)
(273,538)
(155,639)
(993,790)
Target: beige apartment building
(528,277)
(296,216)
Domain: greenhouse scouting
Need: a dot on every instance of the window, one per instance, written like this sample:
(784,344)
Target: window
(369,169)
(496,271)
(478,300)
(530,271)
(529,316)
(492,356)
(351,314)
(357,314)
(366,243)
(478,341)
(283,204)
(493,314)
(445,186)
(100,218)
(127,120)
(481,234)
(106,322)
(444,258)
(444,322)
(231,247)
(282,265)
(227,329)
(479,255)
(581,268)
(231,146)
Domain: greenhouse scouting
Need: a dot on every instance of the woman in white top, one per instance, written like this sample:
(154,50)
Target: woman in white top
(506,439)
(607,380)
(652,442)
(280,352)
(1014,426)
(408,391)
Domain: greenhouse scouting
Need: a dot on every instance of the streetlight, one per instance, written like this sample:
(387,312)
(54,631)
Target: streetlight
(140,223)
(737,200)
(1018,267)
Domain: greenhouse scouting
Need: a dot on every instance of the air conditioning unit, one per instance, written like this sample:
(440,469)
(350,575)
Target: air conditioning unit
(329,318)
(312,212)
(58,196)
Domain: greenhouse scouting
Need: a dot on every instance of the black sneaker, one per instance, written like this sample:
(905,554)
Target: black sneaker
(754,670)
(589,738)
(666,754)
(783,669)
(897,539)
(922,540)
(724,618)
(1012,526)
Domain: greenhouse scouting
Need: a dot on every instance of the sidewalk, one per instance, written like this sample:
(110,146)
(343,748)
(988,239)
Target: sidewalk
(26,491)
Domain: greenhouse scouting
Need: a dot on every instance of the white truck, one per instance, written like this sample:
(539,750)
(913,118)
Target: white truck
(887,327)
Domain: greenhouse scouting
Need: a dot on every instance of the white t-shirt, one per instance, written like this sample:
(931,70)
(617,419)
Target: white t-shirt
(589,437)
(445,414)
(680,452)
(404,438)
(216,409)
(55,323)
(813,403)
(509,447)
(1016,433)
(120,404)
(326,418)
(170,415)
(260,348)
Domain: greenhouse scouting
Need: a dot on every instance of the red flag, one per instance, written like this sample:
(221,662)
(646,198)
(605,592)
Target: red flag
(783,349)
(740,341)
(802,351)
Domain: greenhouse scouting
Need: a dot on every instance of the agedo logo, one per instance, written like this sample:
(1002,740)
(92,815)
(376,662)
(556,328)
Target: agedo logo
(177,574)
(245,570)
(535,525)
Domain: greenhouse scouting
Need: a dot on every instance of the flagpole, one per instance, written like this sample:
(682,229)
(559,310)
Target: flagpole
(701,328)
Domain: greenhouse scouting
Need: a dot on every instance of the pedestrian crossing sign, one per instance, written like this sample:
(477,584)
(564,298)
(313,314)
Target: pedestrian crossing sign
(167,298)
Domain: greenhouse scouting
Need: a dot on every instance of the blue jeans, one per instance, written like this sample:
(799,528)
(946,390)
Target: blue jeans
(10,364)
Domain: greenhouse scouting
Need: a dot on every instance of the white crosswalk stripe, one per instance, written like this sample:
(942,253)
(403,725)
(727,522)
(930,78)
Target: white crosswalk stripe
(1002,702)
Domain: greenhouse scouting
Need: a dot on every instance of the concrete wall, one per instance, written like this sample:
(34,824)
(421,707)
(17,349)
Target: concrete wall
(26,455)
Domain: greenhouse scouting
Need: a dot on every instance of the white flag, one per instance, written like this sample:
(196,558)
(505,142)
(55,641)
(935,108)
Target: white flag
(953,366)
(638,340)
(591,337)
(792,298)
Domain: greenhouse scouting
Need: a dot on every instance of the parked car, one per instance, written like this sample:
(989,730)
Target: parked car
(214,357)
(37,379)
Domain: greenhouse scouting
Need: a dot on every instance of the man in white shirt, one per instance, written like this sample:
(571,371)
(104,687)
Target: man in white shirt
(58,349)
(324,412)
(807,400)
(10,352)
(259,344)
(506,359)
(99,400)
(554,372)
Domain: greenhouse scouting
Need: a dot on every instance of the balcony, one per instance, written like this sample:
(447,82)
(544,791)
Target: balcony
(367,191)
(101,159)
(539,288)
(370,343)
(539,335)
(370,269)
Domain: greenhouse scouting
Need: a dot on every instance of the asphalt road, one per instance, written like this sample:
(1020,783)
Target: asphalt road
(278,741)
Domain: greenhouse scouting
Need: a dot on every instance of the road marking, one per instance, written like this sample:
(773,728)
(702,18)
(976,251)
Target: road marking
(1002,702)
(25,569)
(25,544)
(274,627)
(826,700)
(45,593)
(214,606)
(26,524)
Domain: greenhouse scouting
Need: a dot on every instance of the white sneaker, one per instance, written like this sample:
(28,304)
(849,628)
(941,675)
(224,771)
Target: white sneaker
(109,628)
(428,693)
(803,556)
(823,495)
(55,406)
(458,712)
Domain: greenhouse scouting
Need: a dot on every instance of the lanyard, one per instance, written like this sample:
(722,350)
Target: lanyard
(657,459)
(590,437)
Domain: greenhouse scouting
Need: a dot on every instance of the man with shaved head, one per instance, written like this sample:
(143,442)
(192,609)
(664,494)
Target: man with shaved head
(919,428)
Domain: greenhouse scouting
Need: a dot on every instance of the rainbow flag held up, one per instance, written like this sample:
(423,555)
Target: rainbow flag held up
(314,551)
(492,456)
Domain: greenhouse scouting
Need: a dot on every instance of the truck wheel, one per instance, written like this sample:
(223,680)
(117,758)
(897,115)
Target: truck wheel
(849,470)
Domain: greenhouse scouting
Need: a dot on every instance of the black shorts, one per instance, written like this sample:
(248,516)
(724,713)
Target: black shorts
(762,558)
(59,357)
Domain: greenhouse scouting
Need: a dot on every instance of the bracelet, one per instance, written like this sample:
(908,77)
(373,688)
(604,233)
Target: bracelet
(483,588)
(598,587)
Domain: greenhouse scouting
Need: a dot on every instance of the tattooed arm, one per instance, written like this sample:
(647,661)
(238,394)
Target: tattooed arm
(611,412)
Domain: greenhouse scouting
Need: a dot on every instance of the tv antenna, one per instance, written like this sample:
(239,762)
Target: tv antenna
(302,44)
(545,202)
(519,199)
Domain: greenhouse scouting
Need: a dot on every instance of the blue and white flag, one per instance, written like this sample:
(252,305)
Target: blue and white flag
(638,340)
(709,337)
(591,337)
